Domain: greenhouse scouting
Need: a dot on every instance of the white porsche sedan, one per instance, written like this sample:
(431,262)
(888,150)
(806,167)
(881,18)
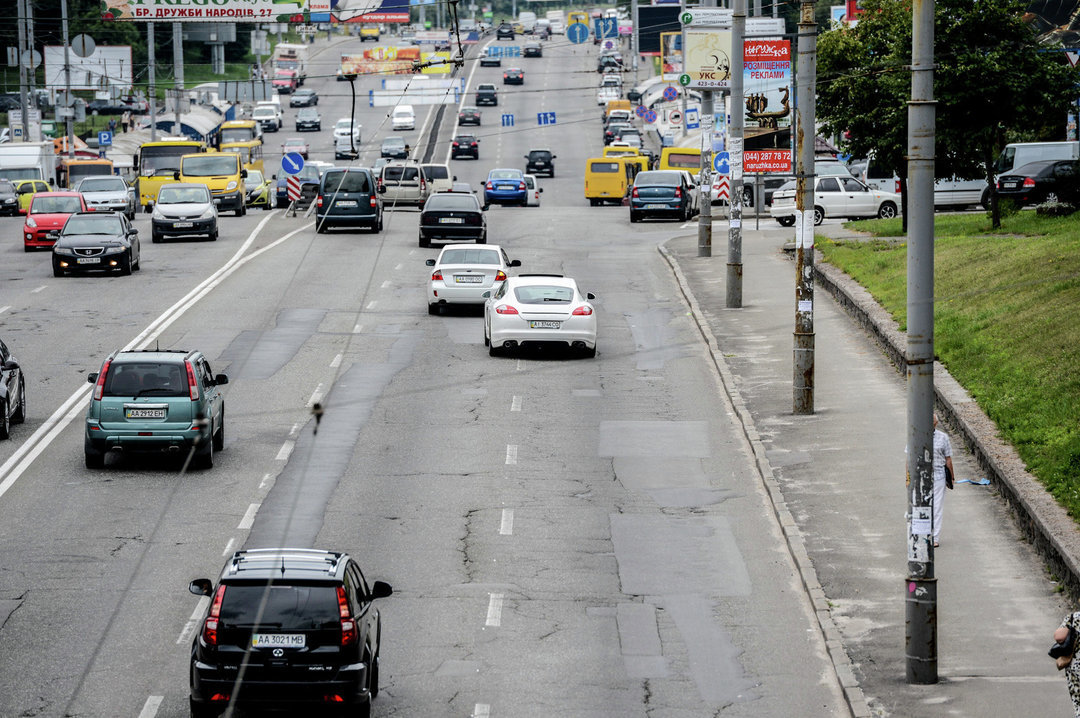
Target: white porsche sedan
(535,310)
(463,273)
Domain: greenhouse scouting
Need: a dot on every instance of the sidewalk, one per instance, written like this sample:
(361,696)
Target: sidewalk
(839,475)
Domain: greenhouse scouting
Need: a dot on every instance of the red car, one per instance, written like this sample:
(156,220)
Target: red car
(48,212)
(285,81)
(295,144)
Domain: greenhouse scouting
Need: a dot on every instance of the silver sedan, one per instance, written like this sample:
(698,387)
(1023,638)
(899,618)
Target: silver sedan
(464,272)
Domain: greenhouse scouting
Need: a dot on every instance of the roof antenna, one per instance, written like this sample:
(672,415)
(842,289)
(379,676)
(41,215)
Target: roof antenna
(157,344)
(283,566)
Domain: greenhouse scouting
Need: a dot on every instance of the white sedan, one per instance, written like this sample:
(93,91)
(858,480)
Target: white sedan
(532,191)
(539,310)
(463,273)
(836,196)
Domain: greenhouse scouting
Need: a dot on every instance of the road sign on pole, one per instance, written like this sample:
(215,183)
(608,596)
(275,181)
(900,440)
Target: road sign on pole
(674,118)
(508,120)
(292,163)
(722,163)
(577,32)
(104,138)
(692,120)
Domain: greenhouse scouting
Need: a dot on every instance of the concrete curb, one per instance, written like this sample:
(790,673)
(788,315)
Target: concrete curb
(830,634)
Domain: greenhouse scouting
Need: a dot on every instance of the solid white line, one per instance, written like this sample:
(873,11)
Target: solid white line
(465,93)
(249,517)
(229,547)
(40,439)
(511,453)
(265,481)
(285,450)
(515,404)
(316,396)
(494,614)
(200,608)
(482,710)
(35,291)
(336,362)
(4,309)
(506,527)
(150,708)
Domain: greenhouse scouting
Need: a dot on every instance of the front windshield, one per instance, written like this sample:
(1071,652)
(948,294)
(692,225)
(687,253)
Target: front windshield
(6,187)
(210,166)
(196,194)
(105,184)
(55,205)
(237,134)
(162,160)
(104,224)
(255,177)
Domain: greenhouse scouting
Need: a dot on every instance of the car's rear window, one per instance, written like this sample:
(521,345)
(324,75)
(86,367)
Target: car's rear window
(605,167)
(346,182)
(504,175)
(452,201)
(689,160)
(146,379)
(436,172)
(399,174)
(55,205)
(470,256)
(658,178)
(544,294)
(285,608)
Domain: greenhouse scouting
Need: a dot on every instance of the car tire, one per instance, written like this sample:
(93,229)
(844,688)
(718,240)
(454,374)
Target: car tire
(205,459)
(493,351)
(155,238)
(482,240)
(56,271)
(93,459)
(213,236)
(589,352)
(320,227)
(819,216)
(425,243)
(219,435)
(19,415)
(125,268)
(199,710)
(373,686)
(138,263)
(886,211)
(634,217)
(379,226)
(5,422)
(434,309)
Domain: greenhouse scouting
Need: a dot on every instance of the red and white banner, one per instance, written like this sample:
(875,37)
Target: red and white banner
(292,186)
(722,187)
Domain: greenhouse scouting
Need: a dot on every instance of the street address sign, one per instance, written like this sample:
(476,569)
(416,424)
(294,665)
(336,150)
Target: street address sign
(710,18)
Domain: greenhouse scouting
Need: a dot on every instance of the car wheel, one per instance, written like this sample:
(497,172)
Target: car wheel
(1050,197)
(155,238)
(589,352)
(373,686)
(887,210)
(205,459)
(125,268)
(19,415)
(483,239)
(241,210)
(214,235)
(56,271)
(378,227)
(493,351)
(93,459)
(785,221)
(5,422)
(199,710)
(320,227)
(219,436)
(634,217)
(434,309)
(819,216)
(424,242)
(138,263)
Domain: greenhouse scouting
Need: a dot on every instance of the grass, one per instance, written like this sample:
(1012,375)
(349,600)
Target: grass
(1005,324)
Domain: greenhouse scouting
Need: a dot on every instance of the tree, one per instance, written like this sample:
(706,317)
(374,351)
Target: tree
(992,81)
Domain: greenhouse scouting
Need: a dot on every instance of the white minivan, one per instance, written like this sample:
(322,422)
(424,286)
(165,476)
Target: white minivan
(1018,154)
(403,118)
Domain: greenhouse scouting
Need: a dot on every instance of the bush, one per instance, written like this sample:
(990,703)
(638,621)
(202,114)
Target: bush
(1055,209)
(1007,207)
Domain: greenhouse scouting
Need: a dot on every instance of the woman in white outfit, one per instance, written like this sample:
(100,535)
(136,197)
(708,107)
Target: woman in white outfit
(942,458)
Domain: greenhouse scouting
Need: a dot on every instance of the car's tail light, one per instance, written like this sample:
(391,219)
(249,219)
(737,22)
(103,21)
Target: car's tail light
(634,194)
(425,219)
(1029,183)
(896,186)
(423,183)
(436,276)
(100,386)
(210,625)
(583,311)
(318,201)
(505,309)
(678,193)
(473,144)
(500,276)
(474,219)
(521,185)
(349,634)
(504,75)
(373,202)
(193,386)
(455,144)
(489,186)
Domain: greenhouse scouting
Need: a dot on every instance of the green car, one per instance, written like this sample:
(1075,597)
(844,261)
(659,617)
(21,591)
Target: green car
(258,189)
(159,401)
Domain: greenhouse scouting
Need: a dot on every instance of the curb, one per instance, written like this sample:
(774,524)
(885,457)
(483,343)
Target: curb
(828,631)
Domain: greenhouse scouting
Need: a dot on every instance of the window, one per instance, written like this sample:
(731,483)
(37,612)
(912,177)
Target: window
(55,205)
(210,165)
(604,167)
(828,184)
(471,256)
(544,294)
(108,225)
(287,608)
(436,172)
(346,182)
(145,379)
(853,185)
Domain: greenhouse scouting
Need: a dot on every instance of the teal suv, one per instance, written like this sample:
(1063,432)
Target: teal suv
(160,401)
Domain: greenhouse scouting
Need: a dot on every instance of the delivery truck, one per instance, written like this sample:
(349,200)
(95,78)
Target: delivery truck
(28,160)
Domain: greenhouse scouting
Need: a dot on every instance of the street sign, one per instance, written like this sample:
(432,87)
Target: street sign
(609,27)
(292,186)
(31,58)
(508,120)
(577,32)
(104,138)
(670,93)
(545,118)
(723,187)
(674,118)
(292,163)
(609,45)
(708,18)
(693,122)
(722,163)
(650,116)
(83,45)
(641,110)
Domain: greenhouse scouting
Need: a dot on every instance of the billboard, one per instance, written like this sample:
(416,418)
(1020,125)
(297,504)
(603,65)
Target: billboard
(292,11)
(383,60)
(706,59)
(108,66)
(392,11)
(670,56)
(767,91)
(652,20)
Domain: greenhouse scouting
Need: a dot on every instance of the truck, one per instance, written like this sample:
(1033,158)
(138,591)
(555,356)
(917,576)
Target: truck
(28,160)
(290,56)
(557,20)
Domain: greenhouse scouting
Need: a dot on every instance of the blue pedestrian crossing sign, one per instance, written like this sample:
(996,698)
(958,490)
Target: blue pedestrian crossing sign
(722,163)
(577,33)
(292,163)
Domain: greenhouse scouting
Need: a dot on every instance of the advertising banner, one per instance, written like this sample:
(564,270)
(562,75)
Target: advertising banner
(108,66)
(671,55)
(389,11)
(767,87)
(706,59)
(290,11)
(435,63)
(387,60)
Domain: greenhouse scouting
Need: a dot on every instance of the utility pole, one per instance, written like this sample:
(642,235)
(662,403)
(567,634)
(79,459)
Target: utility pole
(69,111)
(704,231)
(920,585)
(152,86)
(178,71)
(30,45)
(735,150)
(23,65)
(634,40)
(805,134)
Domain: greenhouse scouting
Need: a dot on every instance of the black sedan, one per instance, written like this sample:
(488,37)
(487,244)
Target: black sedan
(469,116)
(505,32)
(308,118)
(394,148)
(465,146)
(12,392)
(532,49)
(514,76)
(663,193)
(304,98)
(1043,181)
(9,200)
(452,215)
(96,241)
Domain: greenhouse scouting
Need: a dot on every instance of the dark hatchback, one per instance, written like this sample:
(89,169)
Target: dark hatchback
(505,32)
(347,198)
(96,241)
(299,626)
(660,193)
(308,118)
(540,162)
(514,76)
(9,198)
(1043,181)
(452,215)
(304,98)
(465,146)
(469,116)
(394,148)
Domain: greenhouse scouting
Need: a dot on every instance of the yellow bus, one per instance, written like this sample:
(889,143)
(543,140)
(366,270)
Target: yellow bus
(681,158)
(156,162)
(251,153)
(240,131)
(577,16)
(71,170)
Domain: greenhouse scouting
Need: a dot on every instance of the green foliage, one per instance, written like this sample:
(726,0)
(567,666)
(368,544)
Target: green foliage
(1004,324)
(1055,209)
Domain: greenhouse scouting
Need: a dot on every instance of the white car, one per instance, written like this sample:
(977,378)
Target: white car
(532,191)
(464,272)
(403,118)
(836,196)
(342,128)
(606,94)
(538,310)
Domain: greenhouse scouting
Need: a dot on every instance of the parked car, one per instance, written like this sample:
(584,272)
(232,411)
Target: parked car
(48,213)
(12,392)
(505,186)
(304,98)
(540,161)
(487,94)
(295,144)
(402,182)
(9,198)
(1042,181)
(308,118)
(96,241)
(662,193)
(348,198)
(469,116)
(300,618)
(539,310)
(836,196)
(108,194)
(183,210)
(465,146)
(514,76)
(463,272)
(452,215)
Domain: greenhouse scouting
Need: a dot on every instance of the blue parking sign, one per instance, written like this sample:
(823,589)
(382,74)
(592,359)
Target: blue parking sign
(104,138)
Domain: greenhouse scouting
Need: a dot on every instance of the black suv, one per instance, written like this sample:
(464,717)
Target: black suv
(487,94)
(540,162)
(465,146)
(287,629)
(505,32)
(12,392)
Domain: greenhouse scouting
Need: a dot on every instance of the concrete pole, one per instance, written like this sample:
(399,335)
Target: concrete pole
(735,150)
(805,116)
(23,65)
(151,85)
(69,118)
(634,39)
(704,231)
(31,70)
(920,586)
(178,72)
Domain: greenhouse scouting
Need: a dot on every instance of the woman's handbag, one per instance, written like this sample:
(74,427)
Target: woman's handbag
(1062,651)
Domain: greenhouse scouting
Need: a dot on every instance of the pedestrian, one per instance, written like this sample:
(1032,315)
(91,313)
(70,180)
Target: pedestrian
(112,125)
(942,461)
(125,120)
(1065,642)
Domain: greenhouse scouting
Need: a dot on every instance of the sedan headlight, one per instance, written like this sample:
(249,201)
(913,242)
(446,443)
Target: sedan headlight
(231,186)
(156,214)
(114,249)
(31,223)
(210,213)
(57,249)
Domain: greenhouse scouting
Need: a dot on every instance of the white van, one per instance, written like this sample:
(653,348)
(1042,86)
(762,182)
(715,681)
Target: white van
(403,118)
(528,21)
(948,191)
(1018,154)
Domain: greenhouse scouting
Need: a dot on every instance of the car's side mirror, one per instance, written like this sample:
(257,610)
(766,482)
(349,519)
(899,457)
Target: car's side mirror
(540,190)
(243,173)
(133,231)
(176,175)
(430,262)
(201,587)
(455,178)
(382,189)
(91,377)
(526,156)
(515,262)
(273,177)
(554,157)
(11,365)
(590,296)
(380,589)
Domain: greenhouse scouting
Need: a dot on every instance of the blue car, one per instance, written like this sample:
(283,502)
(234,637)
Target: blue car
(505,186)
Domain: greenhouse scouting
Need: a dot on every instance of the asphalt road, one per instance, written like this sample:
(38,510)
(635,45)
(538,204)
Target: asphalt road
(572,537)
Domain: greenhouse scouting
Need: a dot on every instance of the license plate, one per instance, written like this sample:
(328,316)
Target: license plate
(540,164)
(468,278)
(278,640)
(144,413)
(1010,185)
(183,225)
(451,220)
(656,206)
(544,325)
(345,203)
(88,260)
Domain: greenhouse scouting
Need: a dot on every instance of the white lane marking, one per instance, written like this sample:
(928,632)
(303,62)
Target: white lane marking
(482,710)
(336,361)
(371,304)
(228,547)
(515,404)
(385,285)
(399,267)
(285,450)
(200,608)
(506,526)
(494,614)
(4,309)
(35,291)
(295,431)
(358,328)
(40,439)
(511,453)
(150,708)
(265,481)
(316,396)
(249,517)
(521,365)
